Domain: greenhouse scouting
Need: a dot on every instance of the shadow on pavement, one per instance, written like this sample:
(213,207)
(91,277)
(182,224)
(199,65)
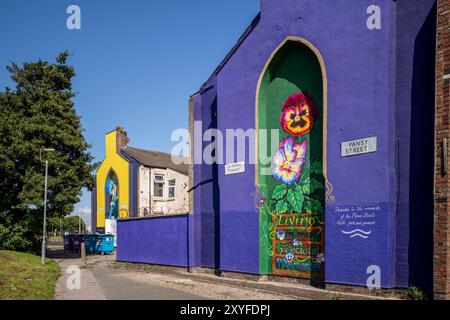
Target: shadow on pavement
(60,254)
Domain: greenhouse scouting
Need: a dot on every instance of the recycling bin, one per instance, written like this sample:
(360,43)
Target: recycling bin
(104,244)
(90,241)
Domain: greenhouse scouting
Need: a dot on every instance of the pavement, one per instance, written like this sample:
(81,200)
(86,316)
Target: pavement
(123,288)
(101,277)
(90,289)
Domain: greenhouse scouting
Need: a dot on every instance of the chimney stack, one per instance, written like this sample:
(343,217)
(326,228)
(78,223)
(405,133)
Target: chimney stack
(122,139)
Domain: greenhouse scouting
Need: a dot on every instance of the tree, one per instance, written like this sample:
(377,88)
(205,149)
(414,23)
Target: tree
(69,224)
(39,113)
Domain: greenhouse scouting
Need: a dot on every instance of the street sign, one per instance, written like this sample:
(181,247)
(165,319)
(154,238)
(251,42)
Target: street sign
(357,147)
(234,168)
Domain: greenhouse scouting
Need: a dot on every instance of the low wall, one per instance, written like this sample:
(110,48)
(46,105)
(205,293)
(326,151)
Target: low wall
(164,240)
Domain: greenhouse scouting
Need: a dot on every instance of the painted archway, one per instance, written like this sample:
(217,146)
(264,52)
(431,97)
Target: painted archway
(291,116)
(112,196)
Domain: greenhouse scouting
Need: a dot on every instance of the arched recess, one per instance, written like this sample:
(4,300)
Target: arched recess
(111,196)
(292,216)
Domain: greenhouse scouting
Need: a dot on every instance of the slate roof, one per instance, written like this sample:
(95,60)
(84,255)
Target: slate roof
(156,159)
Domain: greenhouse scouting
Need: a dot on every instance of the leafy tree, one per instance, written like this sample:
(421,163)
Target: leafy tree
(39,113)
(69,224)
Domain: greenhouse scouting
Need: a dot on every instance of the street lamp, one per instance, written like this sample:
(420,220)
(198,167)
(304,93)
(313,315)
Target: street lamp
(45,203)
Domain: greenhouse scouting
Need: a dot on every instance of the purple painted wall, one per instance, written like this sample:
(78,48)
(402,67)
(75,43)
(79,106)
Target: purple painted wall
(378,84)
(360,66)
(416,43)
(205,183)
(365,73)
(157,240)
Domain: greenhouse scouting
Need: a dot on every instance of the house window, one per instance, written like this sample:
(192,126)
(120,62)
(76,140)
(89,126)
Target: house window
(158,186)
(172,188)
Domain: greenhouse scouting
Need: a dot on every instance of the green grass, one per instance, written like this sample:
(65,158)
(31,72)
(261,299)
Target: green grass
(23,277)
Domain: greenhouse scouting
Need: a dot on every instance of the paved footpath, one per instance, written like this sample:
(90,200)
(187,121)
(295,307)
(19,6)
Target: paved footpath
(89,287)
(102,278)
(99,282)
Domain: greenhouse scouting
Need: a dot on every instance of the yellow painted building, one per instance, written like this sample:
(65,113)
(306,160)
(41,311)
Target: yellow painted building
(114,167)
(132,183)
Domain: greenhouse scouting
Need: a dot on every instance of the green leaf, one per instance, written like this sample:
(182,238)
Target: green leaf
(295,198)
(315,185)
(282,206)
(316,167)
(307,166)
(307,206)
(316,206)
(306,186)
(279,192)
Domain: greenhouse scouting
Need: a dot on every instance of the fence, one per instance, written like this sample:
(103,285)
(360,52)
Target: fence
(165,240)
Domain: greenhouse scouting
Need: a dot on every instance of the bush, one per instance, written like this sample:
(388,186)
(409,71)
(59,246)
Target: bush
(15,238)
(415,293)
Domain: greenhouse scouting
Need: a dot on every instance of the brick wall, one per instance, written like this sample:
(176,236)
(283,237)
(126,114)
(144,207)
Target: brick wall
(442,179)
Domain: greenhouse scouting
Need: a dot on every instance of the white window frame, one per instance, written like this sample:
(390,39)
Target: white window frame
(163,181)
(174,188)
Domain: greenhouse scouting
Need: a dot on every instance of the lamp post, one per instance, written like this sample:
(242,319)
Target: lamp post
(44,231)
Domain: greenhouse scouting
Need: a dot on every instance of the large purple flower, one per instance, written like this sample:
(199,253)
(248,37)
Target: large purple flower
(289,160)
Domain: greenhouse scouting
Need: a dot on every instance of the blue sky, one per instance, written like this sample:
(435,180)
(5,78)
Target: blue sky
(137,62)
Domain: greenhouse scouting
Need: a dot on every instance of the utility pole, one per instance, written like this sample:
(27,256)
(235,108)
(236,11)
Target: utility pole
(44,231)
(79,224)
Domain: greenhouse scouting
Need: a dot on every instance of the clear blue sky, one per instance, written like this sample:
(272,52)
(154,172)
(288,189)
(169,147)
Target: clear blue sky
(137,62)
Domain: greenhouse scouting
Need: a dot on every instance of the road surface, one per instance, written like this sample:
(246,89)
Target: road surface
(100,279)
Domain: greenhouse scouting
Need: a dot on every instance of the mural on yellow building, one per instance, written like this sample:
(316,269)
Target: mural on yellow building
(132,182)
(112,196)
(113,175)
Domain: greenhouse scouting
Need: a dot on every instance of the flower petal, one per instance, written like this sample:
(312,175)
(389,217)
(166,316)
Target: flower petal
(284,175)
(288,144)
(294,100)
(301,127)
(301,149)
(279,158)
(287,116)
(298,105)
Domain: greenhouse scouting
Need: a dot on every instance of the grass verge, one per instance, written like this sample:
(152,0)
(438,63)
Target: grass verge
(23,277)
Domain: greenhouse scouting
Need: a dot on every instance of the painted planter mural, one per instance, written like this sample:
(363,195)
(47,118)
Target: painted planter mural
(292,213)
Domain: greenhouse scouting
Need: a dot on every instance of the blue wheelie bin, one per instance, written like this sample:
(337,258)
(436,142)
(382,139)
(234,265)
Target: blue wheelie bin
(104,244)
(90,241)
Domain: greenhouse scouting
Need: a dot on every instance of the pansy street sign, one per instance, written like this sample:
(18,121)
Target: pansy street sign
(360,146)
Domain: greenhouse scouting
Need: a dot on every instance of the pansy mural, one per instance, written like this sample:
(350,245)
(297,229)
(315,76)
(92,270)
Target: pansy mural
(298,114)
(289,160)
(295,203)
